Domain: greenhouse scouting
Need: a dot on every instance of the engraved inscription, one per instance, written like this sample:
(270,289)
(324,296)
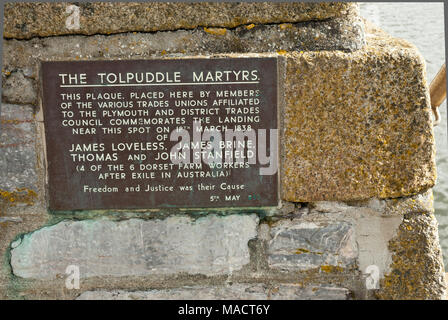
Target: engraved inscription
(142,134)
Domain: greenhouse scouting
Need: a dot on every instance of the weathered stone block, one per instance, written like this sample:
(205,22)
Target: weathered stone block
(17,148)
(417,270)
(332,236)
(210,245)
(300,245)
(234,292)
(297,292)
(26,20)
(375,223)
(357,125)
(17,88)
(335,34)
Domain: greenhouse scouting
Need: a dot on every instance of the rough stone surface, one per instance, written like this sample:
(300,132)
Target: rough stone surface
(17,149)
(17,88)
(297,245)
(417,269)
(340,33)
(210,245)
(233,292)
(26,20)
(357,125)
(337,236)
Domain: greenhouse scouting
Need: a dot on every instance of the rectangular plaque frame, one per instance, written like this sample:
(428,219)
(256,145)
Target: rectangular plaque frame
(67,177)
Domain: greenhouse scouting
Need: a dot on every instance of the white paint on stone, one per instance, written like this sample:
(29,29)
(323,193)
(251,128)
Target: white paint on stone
(373,235)
(210,245)
(16,243)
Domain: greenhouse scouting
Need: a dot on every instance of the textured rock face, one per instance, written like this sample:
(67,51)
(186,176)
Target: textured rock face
(26,20)
(297,245)
(209,245)
(17,148)
(234,292)
(357,125)
(334,34)
(338,237)
(417,270)
(27,94)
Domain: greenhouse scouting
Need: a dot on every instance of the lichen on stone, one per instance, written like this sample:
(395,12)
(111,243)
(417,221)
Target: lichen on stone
(21,195)
(357,125)
(27,20)
(417,270)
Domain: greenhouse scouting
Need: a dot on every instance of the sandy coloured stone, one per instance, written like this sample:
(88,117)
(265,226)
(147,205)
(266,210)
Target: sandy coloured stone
(357,125)
(27,20)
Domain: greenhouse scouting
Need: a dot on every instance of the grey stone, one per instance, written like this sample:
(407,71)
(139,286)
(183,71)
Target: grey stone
(210,245)
(373,223)
(355,127)
(287,208)
(330,206)
(16,113)
(26,20)
(18,89)
(419,203)
(11,219)
(234,292)
(14,244)
(297,292)
(17,148)
(29,73)
(337,34)
(302,245)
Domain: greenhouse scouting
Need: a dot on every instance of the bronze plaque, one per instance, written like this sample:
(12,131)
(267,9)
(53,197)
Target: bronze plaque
(173,133)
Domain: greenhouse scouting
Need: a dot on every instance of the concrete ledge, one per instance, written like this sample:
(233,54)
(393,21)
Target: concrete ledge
(27,20)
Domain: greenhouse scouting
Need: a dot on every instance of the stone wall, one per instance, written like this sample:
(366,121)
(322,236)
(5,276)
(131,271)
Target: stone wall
(357,163)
